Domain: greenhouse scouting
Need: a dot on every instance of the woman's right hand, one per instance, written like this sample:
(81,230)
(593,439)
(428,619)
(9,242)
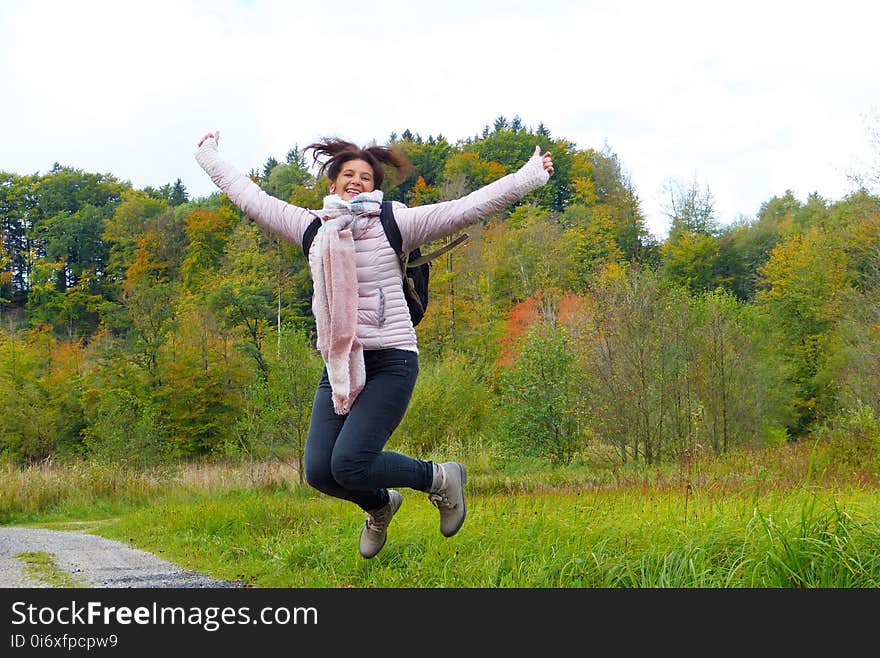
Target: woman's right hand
(215,135)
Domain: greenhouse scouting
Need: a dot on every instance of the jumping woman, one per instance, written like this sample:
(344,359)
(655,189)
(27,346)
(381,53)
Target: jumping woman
(364,330)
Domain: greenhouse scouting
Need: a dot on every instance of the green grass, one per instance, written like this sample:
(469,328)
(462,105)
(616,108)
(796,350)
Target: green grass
(597,538)
(43,568)
(741,521)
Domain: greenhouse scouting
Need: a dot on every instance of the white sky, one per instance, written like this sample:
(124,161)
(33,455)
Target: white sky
(749,98)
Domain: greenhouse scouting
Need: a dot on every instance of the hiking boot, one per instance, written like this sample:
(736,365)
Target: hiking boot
(447,495)
(375,530)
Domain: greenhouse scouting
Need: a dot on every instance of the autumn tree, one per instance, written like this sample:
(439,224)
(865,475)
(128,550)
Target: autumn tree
(691,259)
(801,291)
(851,366)
(150,292)
(743,247)
(131,217)
(473,171)
(206,232)
(616,199)
(201,379)
(690,255)
(27,433)
(243,292)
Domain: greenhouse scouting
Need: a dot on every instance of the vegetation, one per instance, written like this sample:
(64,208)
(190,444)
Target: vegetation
(144,334)
(777,518)
(139,326)
(43,568)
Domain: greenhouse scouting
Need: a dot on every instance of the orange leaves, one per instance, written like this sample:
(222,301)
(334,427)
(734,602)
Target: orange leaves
(202,223)
(522,316)
(422,193)
(570,310)
(147,267)
(574,312)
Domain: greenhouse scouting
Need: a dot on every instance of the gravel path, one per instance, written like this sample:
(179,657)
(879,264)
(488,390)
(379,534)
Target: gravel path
(92,561)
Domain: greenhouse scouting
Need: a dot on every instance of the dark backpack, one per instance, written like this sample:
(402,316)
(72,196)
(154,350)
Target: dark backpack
(416,266)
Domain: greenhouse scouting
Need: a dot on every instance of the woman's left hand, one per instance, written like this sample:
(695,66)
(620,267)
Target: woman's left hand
(546,160)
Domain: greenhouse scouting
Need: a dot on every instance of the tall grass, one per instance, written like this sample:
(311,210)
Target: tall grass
(731,522)
(83,490)
(591,538)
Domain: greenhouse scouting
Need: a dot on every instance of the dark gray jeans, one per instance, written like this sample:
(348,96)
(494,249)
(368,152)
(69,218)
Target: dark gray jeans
(345,456)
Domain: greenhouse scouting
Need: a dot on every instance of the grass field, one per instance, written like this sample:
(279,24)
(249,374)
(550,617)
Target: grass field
(749,519)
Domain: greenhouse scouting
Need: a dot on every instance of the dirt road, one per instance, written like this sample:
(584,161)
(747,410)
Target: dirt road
(90,561)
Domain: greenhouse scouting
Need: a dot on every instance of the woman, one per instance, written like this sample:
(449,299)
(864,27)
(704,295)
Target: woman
(365,333)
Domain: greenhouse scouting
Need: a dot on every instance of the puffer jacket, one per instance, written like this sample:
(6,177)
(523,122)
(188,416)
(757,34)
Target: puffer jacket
(383,319)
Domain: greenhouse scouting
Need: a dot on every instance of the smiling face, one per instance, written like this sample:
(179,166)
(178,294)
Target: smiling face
(355,176)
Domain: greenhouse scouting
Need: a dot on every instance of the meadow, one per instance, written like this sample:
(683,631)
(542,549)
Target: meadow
(779,517)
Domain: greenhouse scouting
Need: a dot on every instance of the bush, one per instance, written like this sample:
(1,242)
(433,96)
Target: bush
(543,411)
(125,430)
(450,403)
(852,439)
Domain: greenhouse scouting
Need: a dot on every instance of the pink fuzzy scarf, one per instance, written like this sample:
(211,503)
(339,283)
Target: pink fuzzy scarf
(334,304)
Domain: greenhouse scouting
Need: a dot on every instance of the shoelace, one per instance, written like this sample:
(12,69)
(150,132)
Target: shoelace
(373,526)
(379,522)
(441,500)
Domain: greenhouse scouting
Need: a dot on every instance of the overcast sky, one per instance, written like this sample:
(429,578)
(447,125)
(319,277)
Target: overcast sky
(747,98)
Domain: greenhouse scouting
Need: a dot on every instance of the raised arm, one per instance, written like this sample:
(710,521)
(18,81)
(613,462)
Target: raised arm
(423,224)
(285,219)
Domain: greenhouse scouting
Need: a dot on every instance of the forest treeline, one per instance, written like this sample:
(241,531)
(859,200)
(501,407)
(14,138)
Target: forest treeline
(138,325)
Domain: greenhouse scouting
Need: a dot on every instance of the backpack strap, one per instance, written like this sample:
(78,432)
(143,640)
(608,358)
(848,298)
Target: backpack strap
(439,252)
(309,235)
(392,231)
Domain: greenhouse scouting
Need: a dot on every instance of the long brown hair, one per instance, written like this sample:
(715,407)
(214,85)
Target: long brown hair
(338,152)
